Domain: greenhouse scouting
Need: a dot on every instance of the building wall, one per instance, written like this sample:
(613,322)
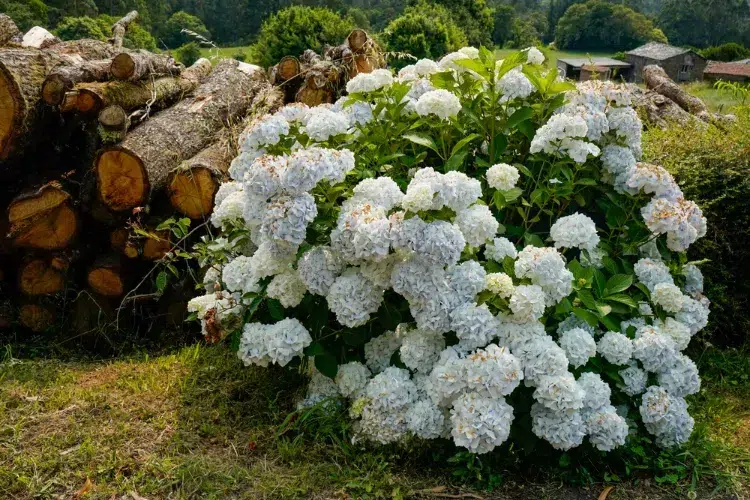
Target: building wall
(672,67)
(727,78)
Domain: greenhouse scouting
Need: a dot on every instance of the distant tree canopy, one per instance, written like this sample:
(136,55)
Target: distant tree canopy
(599,25)
(100,28)
(703,23)
(171,34)
(293,30)
(514,30)
(474,17)
(424,30)
(727,52)
(26,13)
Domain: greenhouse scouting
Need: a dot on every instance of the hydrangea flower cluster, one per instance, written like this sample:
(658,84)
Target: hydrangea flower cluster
(434,275)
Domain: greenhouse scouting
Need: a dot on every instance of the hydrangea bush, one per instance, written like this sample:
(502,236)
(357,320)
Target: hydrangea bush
(467,250)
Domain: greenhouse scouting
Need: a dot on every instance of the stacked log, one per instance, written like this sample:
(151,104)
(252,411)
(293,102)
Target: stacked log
(100,145)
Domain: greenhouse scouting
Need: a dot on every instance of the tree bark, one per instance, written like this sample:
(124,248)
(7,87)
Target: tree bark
(9,32)
(160,93)
(113,124)
(42,218)
(61,81)
(120,27)
(193,185)
(128,173)
(134,66)
(657,80)
(22,72)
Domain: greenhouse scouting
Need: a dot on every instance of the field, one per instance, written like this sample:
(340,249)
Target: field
(196,423)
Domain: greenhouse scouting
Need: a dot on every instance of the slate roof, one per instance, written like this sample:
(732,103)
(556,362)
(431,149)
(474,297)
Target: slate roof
(608,62)
(728,68)
(743,61)
(657,51)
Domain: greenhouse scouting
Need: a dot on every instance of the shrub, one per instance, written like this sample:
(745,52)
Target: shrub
(712,166)
(172,34)
(188,53)
(424,31)
(598,25)
(292,30)
(25,13)
(474,17)
(362,244)
(75,28)
(727,52)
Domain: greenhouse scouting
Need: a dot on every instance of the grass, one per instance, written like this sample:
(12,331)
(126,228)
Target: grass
(719,102)
(226,52)
(197,424)
(554,55)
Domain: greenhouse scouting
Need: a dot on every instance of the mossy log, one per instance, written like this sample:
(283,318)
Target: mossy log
(9,32)
(193,185)
(127,173)
(43,275)
(43,218)
(22,73)
(657,80)
(162,92)
(113,124)
(134,66)
(62,80)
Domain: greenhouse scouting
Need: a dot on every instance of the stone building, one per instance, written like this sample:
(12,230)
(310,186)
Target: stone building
(588,68)
(728,71)
(682,65)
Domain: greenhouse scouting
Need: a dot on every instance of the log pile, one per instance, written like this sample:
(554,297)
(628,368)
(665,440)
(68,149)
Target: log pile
(100,144)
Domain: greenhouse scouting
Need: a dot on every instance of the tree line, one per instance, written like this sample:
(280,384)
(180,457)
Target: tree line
(425,28)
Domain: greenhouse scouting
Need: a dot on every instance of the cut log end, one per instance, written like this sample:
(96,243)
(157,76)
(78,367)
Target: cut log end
(122,180)
(357,40)
(41,277)
(106,281)
(43,219)
(288,68)
(157,246)
(192,192)
(123,66)
(54,88)
(36,317)
(88,102)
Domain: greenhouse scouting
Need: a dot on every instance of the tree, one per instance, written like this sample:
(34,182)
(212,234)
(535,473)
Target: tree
(703,23)
(293,30)
(727,52)
(474,17)
(505,16)
(598,25)
(188,53)
(74,28)
(25,13)
(424,31)
(172,34)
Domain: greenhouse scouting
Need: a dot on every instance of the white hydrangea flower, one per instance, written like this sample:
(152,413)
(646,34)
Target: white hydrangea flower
(239,275)
(694,314)
(391,389)
(652,179)
(606,429)
(534,56)
(305,168)
(596,391)
(225,305)
(480,424)
(574,321)
(381,426)
(264,131)
(440,103)
(420,349)
(502,176)
(380,349)
(653,349)
(514,85)
(278,343)
(500,284)
(419,197)
(477,224)
(362,233)
(321,124)
(352,378)
(353,298)
(474,325)
(466,280)
(578,345)
(319,267)
(666,417)
(546,268)
(357,112)
(294,112)
(425,420)
(426,67)
(574,231)
(681,377)
(624,122)
(271,259)
(562,429)
(668,296)
(693,279)
(499,249)
(286,218)
(652,272)
(678,331)
(230,210)
(615,348)
(493,371)
(263,177)
(381,191)
(379,273)
(680,219)
(528,301)
(634,379)
(540,356)
(513,332)
(559,392)
(288,288)
(369,82)
(448,377)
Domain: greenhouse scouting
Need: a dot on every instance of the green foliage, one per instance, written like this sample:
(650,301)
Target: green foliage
(293,30)
(424,30)
(25,13)
(74,28)
(712,166)
(740,91)
(188,53)
(171,34)
(703,23)
(726,52)
(474,17)
(598,25)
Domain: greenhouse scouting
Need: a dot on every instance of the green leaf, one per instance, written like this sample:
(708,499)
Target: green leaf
(315,349)
(618,283)
(519,116)
(499,145)
(587,298)
(498,199)
(443,80)
(527,129)
(422,140)
(327,364)
(161,281)
(533,239)
(275,309)
(473,65)
(355,337)
(463,142)
(523,169)
(586,181)
(622,299)
(558,87)
(512,194)
(455,161)
(611,323)
(587,316)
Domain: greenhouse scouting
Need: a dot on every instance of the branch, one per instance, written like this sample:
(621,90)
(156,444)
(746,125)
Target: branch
(120,27)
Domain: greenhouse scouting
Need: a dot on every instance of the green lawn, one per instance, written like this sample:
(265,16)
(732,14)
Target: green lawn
(195,423)
(554,55)
(225,52)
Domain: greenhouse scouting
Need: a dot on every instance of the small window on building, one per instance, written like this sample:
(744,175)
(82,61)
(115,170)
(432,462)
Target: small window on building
(686,68)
